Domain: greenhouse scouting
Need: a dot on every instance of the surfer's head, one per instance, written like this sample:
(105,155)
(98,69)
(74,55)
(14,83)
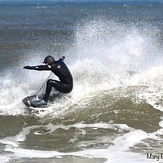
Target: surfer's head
(49,60)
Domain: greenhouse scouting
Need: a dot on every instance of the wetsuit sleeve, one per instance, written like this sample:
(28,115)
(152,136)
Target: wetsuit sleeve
(62,58)
(39,68)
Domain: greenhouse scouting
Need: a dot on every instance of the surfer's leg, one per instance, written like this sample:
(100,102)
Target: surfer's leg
(51,83)
(63,88)
(49,86)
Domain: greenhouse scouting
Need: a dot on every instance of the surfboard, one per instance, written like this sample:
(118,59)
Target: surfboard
(34,101)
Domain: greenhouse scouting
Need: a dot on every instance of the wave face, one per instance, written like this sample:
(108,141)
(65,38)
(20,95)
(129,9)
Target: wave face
(105,55)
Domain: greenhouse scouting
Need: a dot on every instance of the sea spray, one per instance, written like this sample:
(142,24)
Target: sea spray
(112,53)
(105,54)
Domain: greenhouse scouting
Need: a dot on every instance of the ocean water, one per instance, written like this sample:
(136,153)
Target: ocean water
(114,50)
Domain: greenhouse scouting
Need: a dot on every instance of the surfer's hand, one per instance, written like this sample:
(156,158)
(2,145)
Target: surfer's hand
(27,67)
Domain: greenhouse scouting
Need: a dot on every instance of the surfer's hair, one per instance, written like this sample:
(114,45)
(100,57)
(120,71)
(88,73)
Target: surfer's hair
(49,59)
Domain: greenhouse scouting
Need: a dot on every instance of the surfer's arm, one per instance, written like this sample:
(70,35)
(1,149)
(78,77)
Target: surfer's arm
(61,58)
(39,68)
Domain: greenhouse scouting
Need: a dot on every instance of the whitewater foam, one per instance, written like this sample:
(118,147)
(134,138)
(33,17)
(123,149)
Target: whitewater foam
(104,56)
(119,150)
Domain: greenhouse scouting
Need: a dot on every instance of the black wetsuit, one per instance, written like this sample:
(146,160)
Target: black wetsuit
(60,69)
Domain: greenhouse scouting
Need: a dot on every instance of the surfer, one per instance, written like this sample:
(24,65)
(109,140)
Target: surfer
(60,69)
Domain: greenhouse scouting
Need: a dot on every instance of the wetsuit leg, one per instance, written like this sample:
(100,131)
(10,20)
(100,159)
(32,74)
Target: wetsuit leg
(48,89)
(63,88)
